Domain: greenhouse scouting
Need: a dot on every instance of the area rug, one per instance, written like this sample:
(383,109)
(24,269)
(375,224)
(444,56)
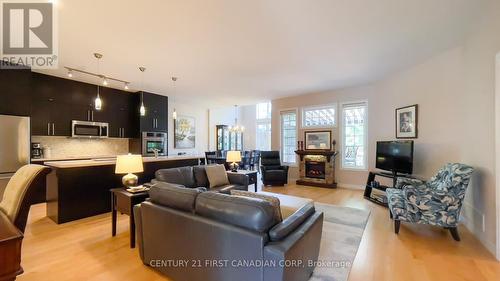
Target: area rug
(343,229)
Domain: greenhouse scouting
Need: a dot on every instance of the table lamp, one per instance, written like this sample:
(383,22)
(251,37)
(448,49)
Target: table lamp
(129,164)
(233,157)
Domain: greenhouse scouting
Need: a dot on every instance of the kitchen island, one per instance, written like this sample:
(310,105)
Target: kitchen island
(78,189)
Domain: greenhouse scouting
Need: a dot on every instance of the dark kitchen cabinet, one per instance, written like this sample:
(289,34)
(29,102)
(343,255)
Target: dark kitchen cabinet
(156,119)
(123,122)
(53,102)
(81,112)
(49,118)
(122,113)
(15,91)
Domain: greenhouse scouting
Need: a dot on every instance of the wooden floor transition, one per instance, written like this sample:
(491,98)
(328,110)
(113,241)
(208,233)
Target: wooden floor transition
(85,250)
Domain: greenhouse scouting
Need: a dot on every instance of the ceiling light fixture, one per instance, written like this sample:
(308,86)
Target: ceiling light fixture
(98,101)
(236,128)
(126,86)
(142,109)
(104,81)
(174,114)
(70,73)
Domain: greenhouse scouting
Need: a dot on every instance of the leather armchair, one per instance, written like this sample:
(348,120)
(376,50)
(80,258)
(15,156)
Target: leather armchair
(273,173)
(21,192)
(436,202)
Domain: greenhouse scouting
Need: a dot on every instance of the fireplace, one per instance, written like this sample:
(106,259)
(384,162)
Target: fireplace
(315,169)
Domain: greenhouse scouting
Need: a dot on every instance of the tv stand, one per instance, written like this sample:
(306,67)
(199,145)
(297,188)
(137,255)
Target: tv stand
(369,186)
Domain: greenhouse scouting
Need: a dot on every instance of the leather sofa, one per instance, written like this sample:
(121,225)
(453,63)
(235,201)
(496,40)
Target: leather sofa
(273,173)
(188,234)
(196,176)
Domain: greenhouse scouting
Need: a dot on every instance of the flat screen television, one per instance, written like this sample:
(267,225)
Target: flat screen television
(395,156)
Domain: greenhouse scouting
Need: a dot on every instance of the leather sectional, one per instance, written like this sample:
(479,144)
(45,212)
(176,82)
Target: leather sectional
(196,176)
(191,234)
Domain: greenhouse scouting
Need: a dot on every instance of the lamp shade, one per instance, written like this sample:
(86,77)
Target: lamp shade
(130,163)
(233,156)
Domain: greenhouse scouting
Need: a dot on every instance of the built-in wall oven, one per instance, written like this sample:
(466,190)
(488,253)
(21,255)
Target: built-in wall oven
(153,141)
(86,129)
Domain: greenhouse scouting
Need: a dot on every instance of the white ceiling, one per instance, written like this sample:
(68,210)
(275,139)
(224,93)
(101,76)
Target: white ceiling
(243,51)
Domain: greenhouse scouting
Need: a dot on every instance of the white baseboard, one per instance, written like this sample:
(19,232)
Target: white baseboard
(473,220)
(351,186)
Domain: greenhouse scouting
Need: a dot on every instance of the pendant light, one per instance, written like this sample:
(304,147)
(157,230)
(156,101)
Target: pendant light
(98,101)
(174,114)
(236,128)
(142,109)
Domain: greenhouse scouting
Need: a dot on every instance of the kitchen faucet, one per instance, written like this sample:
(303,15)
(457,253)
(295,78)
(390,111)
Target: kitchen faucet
(156,151)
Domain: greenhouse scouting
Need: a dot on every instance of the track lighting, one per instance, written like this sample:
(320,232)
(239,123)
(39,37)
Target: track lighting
(70,73)
(104,81)
(125,86)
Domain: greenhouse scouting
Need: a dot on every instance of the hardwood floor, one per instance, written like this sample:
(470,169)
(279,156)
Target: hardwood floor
(85,250)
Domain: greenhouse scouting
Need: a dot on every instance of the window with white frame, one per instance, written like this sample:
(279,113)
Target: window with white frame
(319,116)
(263,126)
(354,135)
(288,136)
(263,111)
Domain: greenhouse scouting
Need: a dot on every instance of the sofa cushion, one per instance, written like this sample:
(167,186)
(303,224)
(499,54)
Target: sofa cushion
(274,168)
(174,196)
(200,176)
(226,189)
(183,175)
(289,204)
(217,175)
(275,175)
(275,202)
(281,230)
(250,213)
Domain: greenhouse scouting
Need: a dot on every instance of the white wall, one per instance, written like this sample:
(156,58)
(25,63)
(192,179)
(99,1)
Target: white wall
(497,145)
(456,95)
(200,113)
(247,117)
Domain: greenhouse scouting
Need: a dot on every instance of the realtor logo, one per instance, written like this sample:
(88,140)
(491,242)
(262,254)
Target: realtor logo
(28,37)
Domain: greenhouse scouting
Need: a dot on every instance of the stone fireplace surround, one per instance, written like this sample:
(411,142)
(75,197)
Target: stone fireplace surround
(311,168)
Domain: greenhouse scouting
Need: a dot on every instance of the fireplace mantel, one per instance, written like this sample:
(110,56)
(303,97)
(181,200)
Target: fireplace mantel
(323,176)
(327,153)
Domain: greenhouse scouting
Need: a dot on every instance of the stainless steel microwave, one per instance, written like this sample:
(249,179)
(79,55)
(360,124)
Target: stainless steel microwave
(86,129)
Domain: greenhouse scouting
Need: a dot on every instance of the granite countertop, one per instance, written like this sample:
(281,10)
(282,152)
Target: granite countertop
(72,158)
(111,161)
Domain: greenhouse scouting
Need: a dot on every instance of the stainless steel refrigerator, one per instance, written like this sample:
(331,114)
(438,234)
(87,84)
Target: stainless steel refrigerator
(14,146)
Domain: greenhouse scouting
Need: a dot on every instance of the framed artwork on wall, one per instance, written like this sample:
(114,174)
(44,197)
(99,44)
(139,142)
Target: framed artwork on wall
(407,122)
(318,140)
(184,132)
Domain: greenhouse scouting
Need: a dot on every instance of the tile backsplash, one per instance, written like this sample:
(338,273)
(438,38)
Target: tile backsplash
(64,147)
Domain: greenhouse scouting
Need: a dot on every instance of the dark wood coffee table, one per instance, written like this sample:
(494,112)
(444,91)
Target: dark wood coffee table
(252,176)
(123,202)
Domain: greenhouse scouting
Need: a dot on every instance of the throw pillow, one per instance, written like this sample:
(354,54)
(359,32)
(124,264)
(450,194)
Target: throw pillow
(275,201)
(216,175)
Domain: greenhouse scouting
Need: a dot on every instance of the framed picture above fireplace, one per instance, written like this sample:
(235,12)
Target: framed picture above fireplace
(318,140)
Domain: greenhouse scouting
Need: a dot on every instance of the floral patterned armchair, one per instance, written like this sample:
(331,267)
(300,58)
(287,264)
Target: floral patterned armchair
(436,202)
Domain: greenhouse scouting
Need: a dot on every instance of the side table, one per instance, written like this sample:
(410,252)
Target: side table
(252,176)
(124,201)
